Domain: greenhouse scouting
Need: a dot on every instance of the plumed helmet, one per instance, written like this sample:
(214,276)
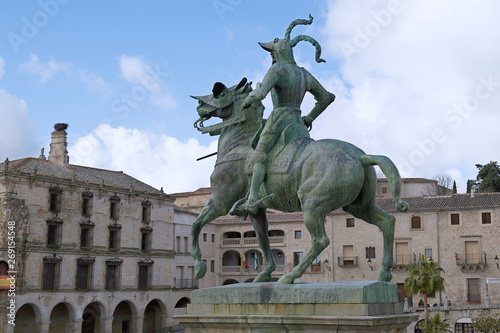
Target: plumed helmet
(281,49)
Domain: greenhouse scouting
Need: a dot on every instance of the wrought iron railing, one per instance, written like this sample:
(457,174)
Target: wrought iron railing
(186,283)
(348,260)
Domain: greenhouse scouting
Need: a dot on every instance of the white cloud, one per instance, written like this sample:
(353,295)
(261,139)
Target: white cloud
(160,161)
(94,82)
(148,77)
(17,139)
(2,67)
(44,71)
(418,82)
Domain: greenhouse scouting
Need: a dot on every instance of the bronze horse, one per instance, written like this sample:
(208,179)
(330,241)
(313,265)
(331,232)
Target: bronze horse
(316,177)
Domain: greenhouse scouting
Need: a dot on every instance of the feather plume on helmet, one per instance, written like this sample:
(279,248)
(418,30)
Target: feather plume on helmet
(281,49)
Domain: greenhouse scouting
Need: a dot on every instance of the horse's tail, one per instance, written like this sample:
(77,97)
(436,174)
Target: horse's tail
(393,177)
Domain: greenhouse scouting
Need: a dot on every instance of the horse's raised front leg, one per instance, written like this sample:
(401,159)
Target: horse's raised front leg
(314,220)
(207,215)
(259,222)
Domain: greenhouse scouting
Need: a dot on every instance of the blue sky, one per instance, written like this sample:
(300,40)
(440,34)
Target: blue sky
(416,81)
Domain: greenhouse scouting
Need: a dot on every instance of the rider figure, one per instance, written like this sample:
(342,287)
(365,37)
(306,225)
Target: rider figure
(288,84)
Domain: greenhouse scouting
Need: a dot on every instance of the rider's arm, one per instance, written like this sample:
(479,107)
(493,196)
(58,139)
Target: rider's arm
(263,88)
(321,95)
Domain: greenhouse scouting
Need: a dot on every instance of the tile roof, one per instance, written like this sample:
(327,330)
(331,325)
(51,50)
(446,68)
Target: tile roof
(79,173)
(417,204)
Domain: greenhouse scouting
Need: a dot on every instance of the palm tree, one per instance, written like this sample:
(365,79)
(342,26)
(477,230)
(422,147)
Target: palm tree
(437,325)
(424,278)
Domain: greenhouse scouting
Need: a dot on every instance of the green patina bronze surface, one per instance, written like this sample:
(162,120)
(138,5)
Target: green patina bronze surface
(274,163)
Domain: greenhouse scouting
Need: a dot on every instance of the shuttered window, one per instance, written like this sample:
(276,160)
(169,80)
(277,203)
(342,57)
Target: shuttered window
(49,275)
(473,290)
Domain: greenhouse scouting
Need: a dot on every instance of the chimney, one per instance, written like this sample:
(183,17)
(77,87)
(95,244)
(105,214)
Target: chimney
(471,192)
(58,153)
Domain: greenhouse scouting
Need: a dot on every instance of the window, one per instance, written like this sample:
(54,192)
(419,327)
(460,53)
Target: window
(145,269)
(428,253)
(486,218)
(473,290)
(54,232)
(114,236)
(51,271)
(146,211)
(349,222)
(213,238)
(114,207)
(84,273)
(178,241)
(416,222)
(87,204)
(384,189)
(402,254)
(113,273)
(298,234)
(86,234)
(145,240)
(455,219)
(204,237)
(186,245)
(55,195)
(370,252)
(212,266)
(472,255)
(297,258)
(348,252)
(316,264)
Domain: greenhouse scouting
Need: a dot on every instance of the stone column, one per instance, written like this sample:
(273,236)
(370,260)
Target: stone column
(137,323)
(106,324)
(75,326)
(44,326)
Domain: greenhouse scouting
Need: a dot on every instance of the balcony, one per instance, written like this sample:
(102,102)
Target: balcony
(185,283)
(401,260)
(348,261)
(231,242)
(251,241)
(471,261)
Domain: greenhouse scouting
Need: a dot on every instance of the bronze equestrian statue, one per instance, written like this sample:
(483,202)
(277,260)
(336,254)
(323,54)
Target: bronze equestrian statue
(275,164)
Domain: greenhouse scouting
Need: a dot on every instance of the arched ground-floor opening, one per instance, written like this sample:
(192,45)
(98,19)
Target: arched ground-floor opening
(153,317)
(182,303)
(91,318)
(60,319)
(27,317)
(122,318)
(229,281)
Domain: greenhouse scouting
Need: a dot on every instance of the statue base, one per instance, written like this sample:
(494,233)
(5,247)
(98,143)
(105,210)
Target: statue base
(363,306)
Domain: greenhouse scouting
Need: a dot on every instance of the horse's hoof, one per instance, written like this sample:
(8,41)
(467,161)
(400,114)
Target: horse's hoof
(262,277)
(285,279)
(200,269)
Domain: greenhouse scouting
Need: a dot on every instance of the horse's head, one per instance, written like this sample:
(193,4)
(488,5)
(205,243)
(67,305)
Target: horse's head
(224,103)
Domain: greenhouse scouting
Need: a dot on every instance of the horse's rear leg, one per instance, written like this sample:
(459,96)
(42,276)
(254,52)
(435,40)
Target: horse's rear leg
(207,215)
(259,222)
(385,222)
(314,220)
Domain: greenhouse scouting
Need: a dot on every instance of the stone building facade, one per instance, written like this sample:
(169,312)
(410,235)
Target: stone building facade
(95,250)
(460,231)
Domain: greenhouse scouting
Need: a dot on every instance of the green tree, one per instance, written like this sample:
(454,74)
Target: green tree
(454,187)
(486,323)
(488,178)
(437,325)
(424,278)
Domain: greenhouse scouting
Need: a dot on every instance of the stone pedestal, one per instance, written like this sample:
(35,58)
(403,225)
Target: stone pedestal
(301,307)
